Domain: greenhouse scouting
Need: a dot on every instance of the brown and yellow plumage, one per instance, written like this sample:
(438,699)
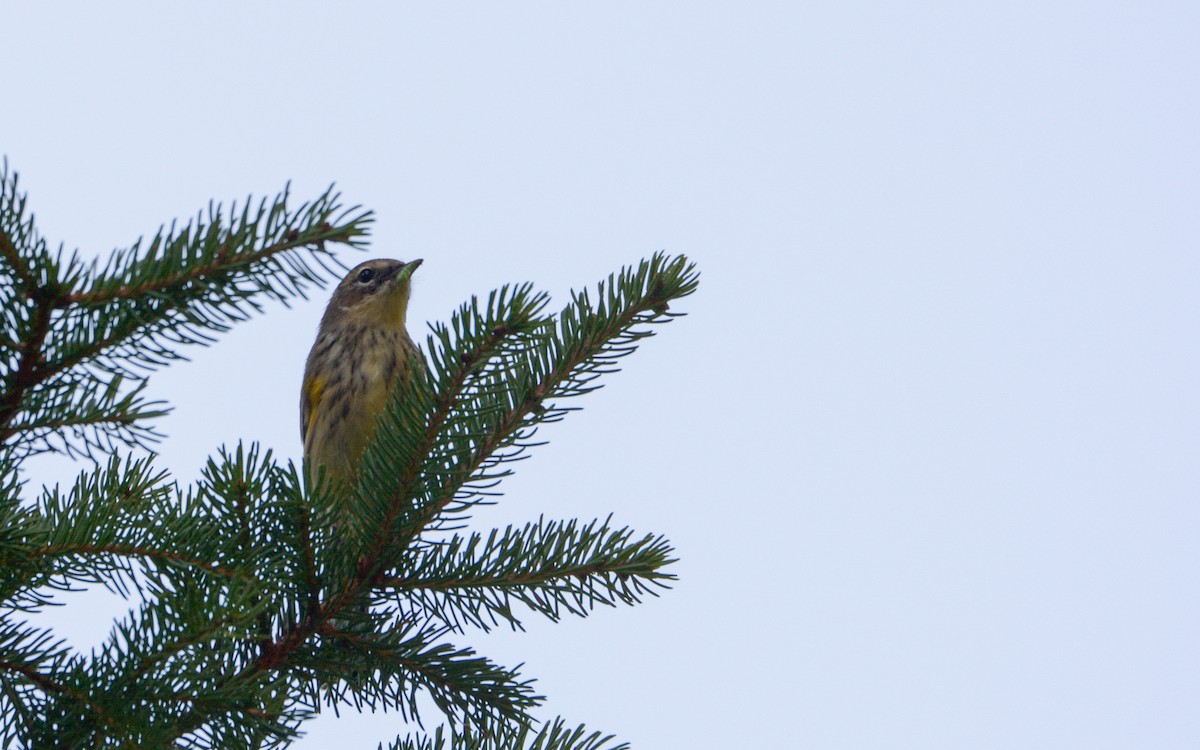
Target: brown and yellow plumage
(362,351)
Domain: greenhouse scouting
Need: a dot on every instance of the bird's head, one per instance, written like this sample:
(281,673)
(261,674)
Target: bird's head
(373,293)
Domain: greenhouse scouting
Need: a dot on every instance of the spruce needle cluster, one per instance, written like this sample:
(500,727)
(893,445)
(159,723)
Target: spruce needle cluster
(247,616)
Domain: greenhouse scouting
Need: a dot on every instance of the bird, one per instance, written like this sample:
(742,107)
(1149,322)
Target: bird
(362,351)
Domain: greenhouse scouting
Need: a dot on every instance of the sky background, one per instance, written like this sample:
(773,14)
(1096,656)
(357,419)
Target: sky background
(927,440)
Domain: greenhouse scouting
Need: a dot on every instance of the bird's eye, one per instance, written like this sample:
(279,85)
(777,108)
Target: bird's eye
(365,275)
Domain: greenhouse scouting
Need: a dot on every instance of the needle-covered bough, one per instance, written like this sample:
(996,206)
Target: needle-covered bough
(250,609)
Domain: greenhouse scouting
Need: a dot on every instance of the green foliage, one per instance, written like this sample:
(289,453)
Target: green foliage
(549,567)
(554,735)
(249,613)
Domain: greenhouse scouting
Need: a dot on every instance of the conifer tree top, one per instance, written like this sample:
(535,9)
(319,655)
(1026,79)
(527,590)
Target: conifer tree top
(249,611)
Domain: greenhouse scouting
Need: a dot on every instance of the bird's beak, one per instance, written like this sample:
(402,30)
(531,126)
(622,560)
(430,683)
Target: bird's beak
(406,270)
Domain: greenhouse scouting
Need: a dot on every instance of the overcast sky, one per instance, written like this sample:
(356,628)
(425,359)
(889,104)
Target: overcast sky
(927,440)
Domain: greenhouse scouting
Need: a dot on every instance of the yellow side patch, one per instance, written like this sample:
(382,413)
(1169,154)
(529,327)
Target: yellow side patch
(315,387)
(312,399)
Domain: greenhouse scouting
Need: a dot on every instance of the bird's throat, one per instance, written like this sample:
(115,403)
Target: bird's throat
(391,309)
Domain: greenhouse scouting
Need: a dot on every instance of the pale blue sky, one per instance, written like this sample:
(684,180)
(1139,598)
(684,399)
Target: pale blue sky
(927,442)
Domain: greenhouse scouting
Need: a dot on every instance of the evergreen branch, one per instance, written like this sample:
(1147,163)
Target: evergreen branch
(481,336)
(308,564)
(261,518)
(177,260)
(199,279)
(392,669)
(37,281)
(25,375)
(49,685)
(33,658)
(121,513)
(463,356)
(17,524)
(9,252)
(72,323)
(170,658)
(34,677)
(581,347)
(130,550)
(76,415)
(235,725)
(183,640)
(546,566)
(416,421)
(552,736)
(254,608)
(21,707)
(93,346)
(16,231)
(265,524)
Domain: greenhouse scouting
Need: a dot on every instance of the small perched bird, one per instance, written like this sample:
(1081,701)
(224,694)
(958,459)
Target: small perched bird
(362,350)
